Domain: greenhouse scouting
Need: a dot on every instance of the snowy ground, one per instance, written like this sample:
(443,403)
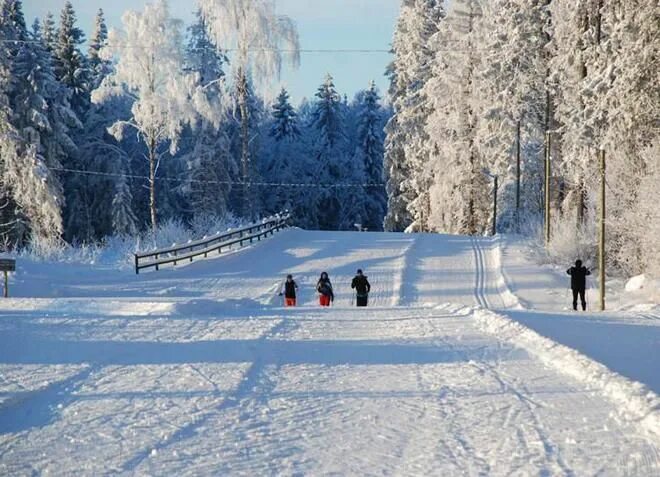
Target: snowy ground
(200,371)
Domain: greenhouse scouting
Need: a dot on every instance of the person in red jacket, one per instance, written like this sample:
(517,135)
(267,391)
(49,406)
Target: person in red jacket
(324,287)
(289,291)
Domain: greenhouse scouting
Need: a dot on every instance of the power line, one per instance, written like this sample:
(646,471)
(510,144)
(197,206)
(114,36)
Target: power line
(278,50)
(200,181)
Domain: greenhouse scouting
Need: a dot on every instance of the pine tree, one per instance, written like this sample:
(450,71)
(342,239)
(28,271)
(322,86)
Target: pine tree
(70,63)
(328,150)
(124,221)
(406,157)
(98,67)
(284,161)
(460,196)
(49,32)
(40,117)
(209,162)
(285,122)
(369,156)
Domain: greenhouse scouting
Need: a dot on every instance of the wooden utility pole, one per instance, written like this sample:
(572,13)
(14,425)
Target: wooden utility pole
(548,146)
(518,177)
(601,234)
(495,184)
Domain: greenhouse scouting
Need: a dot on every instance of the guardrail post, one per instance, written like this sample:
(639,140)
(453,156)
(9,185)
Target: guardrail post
(137,268)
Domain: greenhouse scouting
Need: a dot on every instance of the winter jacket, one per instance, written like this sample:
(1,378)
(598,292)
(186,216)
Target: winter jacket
(324,287)
(290,288)
(578,277)
(361,285)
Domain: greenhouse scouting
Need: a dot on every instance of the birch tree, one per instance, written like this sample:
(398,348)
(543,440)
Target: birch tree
(261,40)
(149,69)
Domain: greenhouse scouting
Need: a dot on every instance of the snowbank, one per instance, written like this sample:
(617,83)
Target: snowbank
(636,402)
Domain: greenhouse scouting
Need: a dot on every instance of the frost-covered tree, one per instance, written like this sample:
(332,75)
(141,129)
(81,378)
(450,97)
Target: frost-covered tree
(70,62)
(328,140)
(369,155)
(258,36)
(165,98)
(511,89)
(406,155)
(123,218)
(209,163)
(459,193)
(49,32)
(99,68)
(284,161)
(35,132)
(285,120)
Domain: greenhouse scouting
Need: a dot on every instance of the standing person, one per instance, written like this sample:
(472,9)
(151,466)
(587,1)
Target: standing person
(290,287)
(578,275)
(362,288)
(324,287)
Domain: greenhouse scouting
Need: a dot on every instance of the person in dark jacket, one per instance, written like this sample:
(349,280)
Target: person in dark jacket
(362,288)
(578,275)
(289,288)
(324,287)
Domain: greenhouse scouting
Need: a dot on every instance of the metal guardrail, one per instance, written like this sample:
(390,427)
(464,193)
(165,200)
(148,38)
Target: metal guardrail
(217,243)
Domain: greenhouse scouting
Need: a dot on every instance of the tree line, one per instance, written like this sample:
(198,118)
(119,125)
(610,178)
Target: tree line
(156,121)
(495,88)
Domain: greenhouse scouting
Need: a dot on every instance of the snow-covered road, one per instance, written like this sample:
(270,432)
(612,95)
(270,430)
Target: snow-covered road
(198,371)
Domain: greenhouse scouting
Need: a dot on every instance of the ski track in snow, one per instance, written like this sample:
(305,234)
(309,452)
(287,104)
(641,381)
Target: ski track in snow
(198,371)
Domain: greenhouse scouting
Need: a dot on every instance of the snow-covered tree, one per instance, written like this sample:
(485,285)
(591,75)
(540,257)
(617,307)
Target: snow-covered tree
(459,196)
(34,122)
(209,163)
(284,161)
(49,32)
(123,218)
(165,98)
(258,35)
(99,68)
(511,90)
(406,156)
(327,150)
(70,62)
(369,155)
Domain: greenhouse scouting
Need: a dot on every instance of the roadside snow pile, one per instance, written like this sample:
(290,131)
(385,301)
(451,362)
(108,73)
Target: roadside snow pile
(636,283)
(636,402)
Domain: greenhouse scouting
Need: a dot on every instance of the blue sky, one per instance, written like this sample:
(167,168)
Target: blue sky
(322,24)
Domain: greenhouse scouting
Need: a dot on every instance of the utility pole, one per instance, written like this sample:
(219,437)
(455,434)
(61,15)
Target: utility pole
(518,177)
(548,146)
(601,234)
(494,231)
(495,187)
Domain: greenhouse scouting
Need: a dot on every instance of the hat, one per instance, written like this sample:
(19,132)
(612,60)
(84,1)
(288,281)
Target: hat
(359,272)
(289,276)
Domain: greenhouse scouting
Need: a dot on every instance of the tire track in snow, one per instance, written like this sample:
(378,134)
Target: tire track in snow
(249,383)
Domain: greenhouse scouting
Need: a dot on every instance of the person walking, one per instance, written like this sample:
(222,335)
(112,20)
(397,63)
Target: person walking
(578,275)
(289,290)
(362,288)
(324,287)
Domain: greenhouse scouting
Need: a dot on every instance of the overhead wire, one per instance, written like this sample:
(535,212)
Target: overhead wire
(219,182)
